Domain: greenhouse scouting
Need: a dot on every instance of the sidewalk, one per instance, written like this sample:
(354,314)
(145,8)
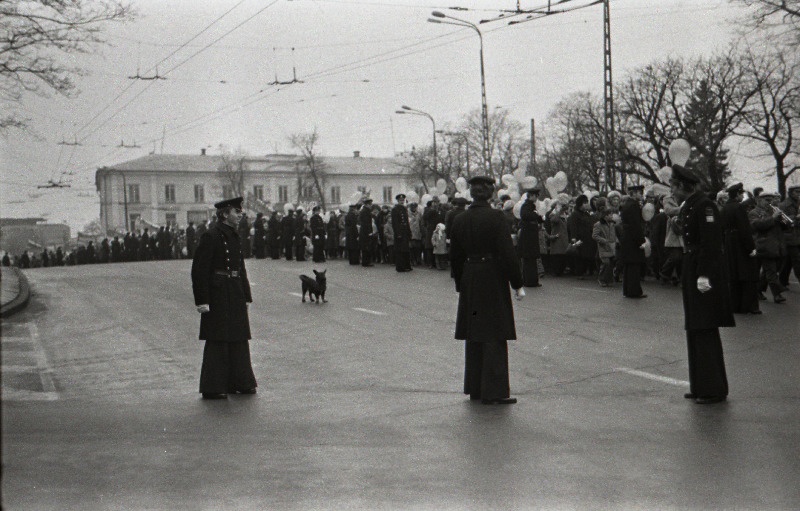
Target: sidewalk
(14,290)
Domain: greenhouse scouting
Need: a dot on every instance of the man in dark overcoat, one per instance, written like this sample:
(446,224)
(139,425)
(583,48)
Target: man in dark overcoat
(579,226)
(259,237)
(300,232)
(351,234)
(740,250)
(244,237)
(366,232)
(221,294)
(332,236)
(317,226)
(191,240)
(116,250)
(704,279)
(274,235)
(402,235)
(631,244)
(483,264)
(528,244)
(287,234)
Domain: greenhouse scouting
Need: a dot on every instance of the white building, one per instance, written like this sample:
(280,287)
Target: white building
(179,188)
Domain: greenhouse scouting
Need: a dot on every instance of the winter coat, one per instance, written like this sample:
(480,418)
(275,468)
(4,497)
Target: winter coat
(528,241)
(415,223)
(365,228)
(768,233)
(559,235)
(739,243)
(579,225)
(791,236)
(632,234)
(351,230)
(439,240)
(220,250)
(703,240)
(604,234)
(672,238)
(401,229)
(483,264)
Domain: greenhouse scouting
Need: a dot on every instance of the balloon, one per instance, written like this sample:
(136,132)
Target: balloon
(648,211)
(412,197)
(461,184)
(518,206)
(551,187)
(528,182)
(563,198)
(441,186)
(514,194)
(508,179)
(542,206)
(443,198)
(679,151)
(458,195)
(664,173)
(503,191)
(468,195)
(560,180)
(425,198)
(519,175)
(287,207)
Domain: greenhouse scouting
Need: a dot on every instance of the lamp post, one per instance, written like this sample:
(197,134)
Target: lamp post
(414,111)
(439,17)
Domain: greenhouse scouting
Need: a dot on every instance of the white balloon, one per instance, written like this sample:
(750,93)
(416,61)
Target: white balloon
(441,186)
(425,199)
(648,211)
(551,187)
(664,173)
(468,195)
(287,207)
(528,182)
(461,184)
(508,179)
(679,151)
(412,197)
(519,175)
(514,194)
(443,198)
(503,191)
(518,206)
(560,180)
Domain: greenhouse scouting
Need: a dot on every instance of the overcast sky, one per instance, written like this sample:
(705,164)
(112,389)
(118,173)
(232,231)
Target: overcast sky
(360,61)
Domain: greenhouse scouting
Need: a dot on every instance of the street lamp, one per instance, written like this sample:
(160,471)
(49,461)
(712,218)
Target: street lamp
(438,17)
(414,111)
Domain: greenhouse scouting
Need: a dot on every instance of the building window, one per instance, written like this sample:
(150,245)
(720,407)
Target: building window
(134,218)
(227,192)
(336,195)
(258,192)
(133,194)
(307,192)
(172,219)
(387,194)
(362,189)
(283,193)
(199,193)
(169,193)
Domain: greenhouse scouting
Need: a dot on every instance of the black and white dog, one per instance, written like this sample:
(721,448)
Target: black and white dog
(314,287)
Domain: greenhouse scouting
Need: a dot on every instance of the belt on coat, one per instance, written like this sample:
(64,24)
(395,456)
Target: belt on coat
(482,258)
(227,273)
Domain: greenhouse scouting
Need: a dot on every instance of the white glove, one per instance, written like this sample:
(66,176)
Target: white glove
(753,253)
(703,285)
(519,294)
(202,309)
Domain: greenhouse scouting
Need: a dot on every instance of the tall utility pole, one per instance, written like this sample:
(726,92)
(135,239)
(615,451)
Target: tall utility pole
(608,103)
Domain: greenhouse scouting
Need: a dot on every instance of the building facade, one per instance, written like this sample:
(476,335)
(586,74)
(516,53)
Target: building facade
(162,189)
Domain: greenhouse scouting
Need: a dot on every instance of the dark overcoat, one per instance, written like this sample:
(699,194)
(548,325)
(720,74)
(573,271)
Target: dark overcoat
(401,228)
(287,230)
(702,235)
(580,225)
(768,233)
(332,233)
(274,230)
(632,234)
(351,230)
(739,243)
(220,250)
(529,220)
(485,311)
(365,232)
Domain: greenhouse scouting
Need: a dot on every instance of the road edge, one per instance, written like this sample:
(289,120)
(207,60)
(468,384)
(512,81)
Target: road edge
(23,294)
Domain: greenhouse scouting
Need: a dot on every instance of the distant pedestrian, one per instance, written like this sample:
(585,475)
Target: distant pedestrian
(483,264)
(402,235)
(222,294)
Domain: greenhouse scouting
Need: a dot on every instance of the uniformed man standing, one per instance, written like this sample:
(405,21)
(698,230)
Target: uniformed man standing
(366,232)
(402,235)
(317,226)
(706,297)
(483,264)
(221,294)
(740,250)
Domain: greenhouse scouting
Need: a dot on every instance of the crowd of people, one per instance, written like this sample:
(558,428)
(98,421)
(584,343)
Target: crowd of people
(602,236)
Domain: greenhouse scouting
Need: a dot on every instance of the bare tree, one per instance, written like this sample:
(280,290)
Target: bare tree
(774,115)
(779,18)
(232,170)
(311,164)
(37,35)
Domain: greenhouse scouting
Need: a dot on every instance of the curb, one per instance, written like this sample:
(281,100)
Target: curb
(24,295)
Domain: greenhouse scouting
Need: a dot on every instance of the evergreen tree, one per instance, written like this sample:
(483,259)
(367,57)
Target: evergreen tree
(704,120)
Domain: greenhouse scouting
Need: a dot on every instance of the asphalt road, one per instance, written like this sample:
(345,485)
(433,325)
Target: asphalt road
(359,403)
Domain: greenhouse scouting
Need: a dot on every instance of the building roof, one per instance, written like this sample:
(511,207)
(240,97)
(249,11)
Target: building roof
(338,165)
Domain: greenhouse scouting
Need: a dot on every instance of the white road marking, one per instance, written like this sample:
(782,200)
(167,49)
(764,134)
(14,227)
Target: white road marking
(654,377)
(593,289)
(377,313)
(296,294)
